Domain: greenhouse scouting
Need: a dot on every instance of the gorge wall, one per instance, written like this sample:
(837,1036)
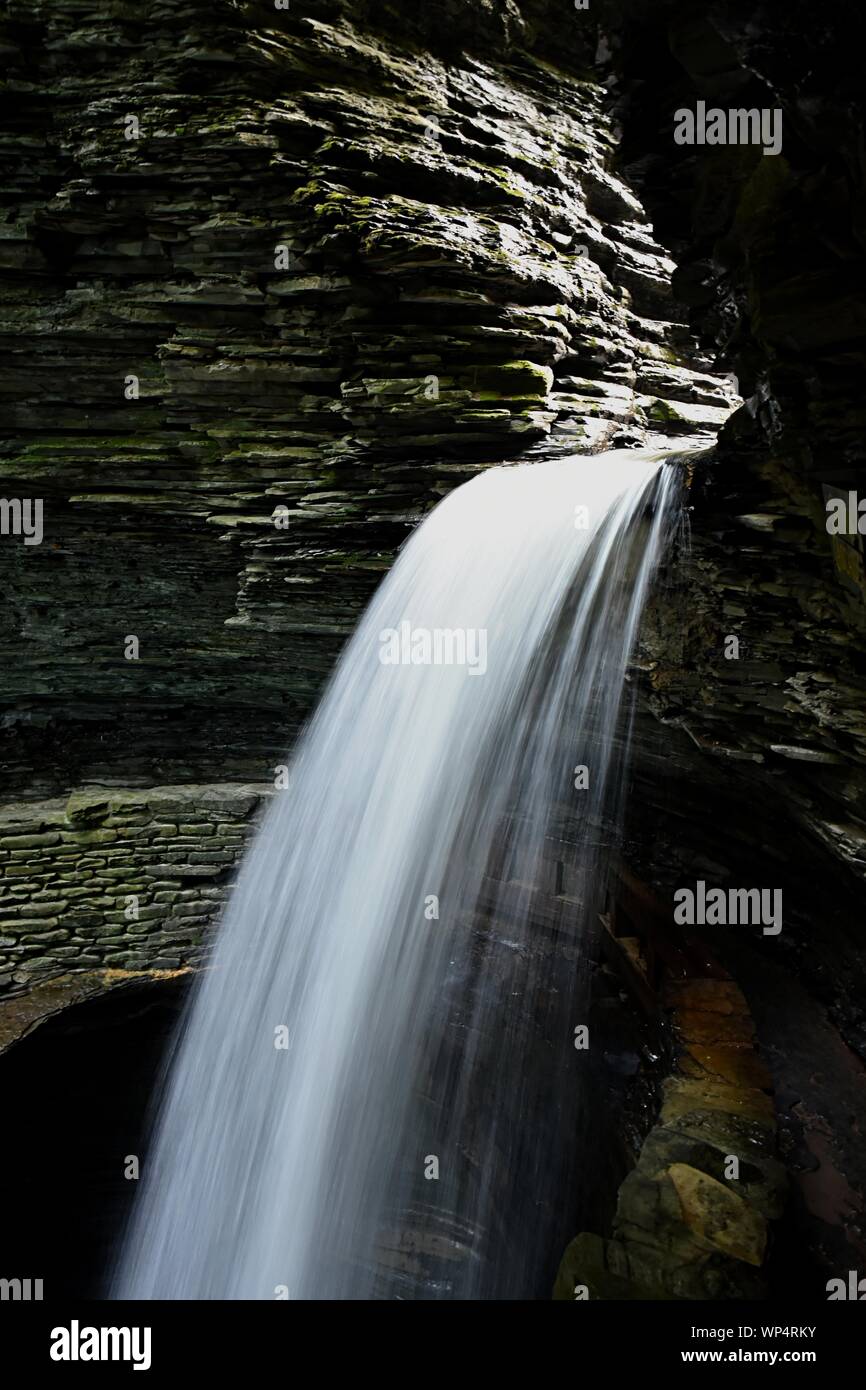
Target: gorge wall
(345,273)
(350,255)
(751,770)
(769,254)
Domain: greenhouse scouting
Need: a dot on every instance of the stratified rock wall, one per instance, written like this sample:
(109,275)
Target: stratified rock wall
(758,771)
(346,273)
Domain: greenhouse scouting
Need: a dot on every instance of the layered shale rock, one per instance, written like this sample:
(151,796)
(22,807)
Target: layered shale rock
(327,277)
(756,774)
(754,654)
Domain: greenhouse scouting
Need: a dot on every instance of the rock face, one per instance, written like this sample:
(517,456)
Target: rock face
(688,1224)
(273,281)
(755,774)
(345,273)
(754,656)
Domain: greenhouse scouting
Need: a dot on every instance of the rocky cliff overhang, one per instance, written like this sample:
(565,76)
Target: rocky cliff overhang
(274,282)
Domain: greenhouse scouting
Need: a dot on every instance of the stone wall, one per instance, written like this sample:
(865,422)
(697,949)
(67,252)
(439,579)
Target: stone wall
(125,880)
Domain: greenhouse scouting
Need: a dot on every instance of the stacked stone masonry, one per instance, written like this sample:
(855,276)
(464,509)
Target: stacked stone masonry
(118,880)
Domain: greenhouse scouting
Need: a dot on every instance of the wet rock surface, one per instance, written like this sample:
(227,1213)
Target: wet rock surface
(750,770)
(689,1223)
(762,751)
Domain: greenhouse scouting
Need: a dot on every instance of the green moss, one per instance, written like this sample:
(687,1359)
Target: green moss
(517,379)
(309,190)
(502,177)
(663,413)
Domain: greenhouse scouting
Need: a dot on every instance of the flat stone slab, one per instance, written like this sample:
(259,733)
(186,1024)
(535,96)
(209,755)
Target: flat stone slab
(716,1217)
(20,1014)
(685,1096)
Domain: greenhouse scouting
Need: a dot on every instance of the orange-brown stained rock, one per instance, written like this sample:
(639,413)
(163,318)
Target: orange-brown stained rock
(683,1096)
(716,1217)
(706,995)
(721,1030)
(734,1066)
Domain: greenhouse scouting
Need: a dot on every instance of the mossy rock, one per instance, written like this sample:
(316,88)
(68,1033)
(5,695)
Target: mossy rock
(88,808)
(519,379)
(717,1217)
(684,1098)
(587,1271)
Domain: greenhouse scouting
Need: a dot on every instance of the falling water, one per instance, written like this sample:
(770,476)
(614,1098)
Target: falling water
(376,1089)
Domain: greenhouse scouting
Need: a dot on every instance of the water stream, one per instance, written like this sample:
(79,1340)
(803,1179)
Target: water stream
(376,1087)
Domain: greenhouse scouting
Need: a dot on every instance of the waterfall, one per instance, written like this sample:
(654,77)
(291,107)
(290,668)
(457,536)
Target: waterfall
(375,1088)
